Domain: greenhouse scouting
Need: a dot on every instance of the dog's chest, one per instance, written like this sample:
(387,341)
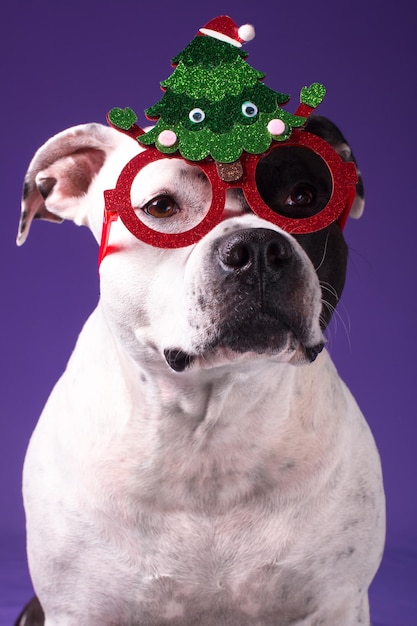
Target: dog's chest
(211,531)
(183,568)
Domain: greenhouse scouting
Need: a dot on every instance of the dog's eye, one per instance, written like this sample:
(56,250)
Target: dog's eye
(197,115)
(161,207)
(302,194)
(249,109)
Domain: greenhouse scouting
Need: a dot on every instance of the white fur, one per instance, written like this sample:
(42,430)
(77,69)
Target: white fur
(244,491)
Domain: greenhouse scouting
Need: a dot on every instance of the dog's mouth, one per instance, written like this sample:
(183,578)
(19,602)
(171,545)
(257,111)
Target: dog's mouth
(178,360)
(290,349)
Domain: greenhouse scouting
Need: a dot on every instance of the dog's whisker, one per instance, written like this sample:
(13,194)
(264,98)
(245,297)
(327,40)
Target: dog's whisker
(328,287)
(324,253)
(336,316)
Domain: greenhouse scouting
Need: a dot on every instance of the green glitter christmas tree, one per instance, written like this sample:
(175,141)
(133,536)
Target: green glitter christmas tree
(215,105)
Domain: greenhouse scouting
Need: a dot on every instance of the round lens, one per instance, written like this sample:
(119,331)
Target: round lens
(170,196)
(301,185)
(166,201)
(294,181)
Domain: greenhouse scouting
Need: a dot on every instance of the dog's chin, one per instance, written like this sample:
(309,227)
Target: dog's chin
(292,351)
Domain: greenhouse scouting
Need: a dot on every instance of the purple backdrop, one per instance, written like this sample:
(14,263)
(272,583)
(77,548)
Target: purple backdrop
(67,63)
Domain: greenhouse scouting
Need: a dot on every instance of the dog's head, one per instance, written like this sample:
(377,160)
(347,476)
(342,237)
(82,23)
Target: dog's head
(245,290)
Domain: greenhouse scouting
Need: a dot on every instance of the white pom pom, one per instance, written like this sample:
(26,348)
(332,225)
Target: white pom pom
(246,32)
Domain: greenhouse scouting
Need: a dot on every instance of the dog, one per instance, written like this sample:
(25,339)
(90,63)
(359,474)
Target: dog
(200,461)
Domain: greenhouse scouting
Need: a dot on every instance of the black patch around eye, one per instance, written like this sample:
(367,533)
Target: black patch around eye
(294,181)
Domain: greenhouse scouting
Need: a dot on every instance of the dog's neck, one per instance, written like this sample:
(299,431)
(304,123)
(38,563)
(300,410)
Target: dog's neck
(201,395)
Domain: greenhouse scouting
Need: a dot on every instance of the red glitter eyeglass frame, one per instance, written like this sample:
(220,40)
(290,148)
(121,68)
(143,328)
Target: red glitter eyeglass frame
(343,174)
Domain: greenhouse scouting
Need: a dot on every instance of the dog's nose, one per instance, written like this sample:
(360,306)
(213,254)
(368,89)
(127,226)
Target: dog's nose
(254,249)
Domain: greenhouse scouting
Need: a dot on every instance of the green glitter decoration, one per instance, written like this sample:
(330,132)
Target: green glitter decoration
(206,103)
(122,118)
(206,52)
(212,83)
(313,95)
(220,114)
(213,76)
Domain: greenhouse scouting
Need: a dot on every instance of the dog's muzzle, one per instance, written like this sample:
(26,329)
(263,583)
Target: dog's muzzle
(258,291)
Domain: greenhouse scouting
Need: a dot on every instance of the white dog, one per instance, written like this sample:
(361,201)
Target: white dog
(196,463)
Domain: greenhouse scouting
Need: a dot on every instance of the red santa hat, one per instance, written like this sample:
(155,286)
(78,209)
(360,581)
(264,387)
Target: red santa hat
(225,29)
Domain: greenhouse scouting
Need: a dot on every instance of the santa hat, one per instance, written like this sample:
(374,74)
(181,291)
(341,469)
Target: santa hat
(225,29)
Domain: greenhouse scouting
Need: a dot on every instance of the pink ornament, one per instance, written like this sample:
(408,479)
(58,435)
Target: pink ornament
(276,127)
(167,138)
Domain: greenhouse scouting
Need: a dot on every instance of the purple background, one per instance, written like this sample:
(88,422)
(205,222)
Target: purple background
(67,63)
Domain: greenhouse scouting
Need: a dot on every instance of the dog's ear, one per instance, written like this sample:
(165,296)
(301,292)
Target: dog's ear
(324,128)
(61,172)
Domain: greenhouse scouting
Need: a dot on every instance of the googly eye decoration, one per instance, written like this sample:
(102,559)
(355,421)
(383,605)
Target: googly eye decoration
(249,109)
(197,115)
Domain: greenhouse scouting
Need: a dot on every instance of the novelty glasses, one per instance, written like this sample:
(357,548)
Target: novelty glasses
(301,185)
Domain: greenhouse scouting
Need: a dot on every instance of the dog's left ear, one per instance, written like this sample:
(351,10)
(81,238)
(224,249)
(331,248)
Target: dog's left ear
(324,128)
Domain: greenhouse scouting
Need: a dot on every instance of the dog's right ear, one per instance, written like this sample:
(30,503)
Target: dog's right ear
(328,131)
(61,172)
